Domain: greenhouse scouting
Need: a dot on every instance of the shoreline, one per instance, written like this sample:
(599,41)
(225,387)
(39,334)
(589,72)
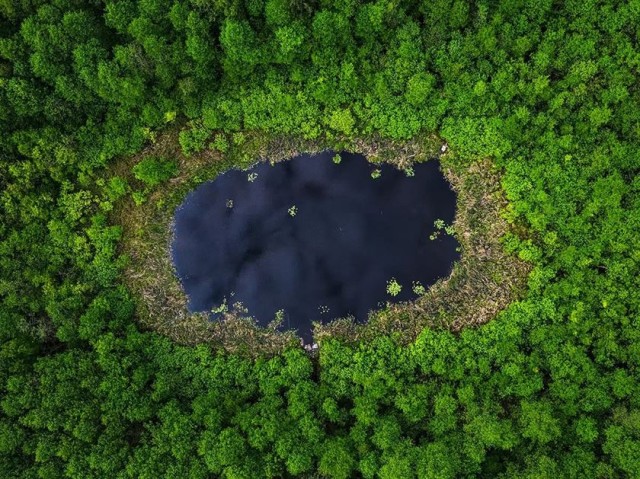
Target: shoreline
(162,302)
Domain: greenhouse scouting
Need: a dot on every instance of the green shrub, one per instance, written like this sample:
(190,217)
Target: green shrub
(194,139)
(154,170)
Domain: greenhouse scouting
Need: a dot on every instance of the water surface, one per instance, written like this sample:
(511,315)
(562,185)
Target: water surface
(316,239)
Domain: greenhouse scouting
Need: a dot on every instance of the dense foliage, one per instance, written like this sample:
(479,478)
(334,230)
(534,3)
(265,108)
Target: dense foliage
(548,89)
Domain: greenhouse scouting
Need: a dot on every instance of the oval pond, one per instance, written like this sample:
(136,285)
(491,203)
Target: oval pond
(314,238)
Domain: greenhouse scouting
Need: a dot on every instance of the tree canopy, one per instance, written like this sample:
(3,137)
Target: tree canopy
(548,90)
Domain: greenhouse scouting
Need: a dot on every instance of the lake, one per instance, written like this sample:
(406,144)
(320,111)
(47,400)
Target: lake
(312,238)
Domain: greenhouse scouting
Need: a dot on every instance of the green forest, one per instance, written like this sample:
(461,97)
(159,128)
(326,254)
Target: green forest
(546,90)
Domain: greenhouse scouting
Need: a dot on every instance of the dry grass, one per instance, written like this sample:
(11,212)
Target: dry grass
(483,282)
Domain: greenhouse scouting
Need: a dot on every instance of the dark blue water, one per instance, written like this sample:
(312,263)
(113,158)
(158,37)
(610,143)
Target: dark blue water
(350,235)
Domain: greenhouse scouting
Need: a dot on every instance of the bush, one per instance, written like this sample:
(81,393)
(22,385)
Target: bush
(153,170)
(194,139)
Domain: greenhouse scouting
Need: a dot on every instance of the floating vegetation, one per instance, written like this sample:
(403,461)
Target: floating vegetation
(441,227)
(393,287)
(418,288)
